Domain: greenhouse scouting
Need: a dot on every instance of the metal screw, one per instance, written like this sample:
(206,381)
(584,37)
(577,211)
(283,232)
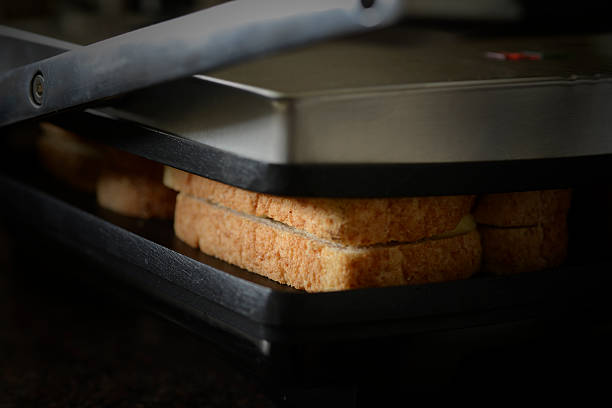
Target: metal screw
(38,88)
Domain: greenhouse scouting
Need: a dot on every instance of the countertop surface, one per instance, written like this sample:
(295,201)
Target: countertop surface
(63,343)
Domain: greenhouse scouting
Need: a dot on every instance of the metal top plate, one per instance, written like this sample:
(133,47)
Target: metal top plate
(400,96)
(404,111)
(419,56)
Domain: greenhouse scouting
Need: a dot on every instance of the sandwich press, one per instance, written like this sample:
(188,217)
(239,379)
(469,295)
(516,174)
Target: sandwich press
(405,110)
(398,112)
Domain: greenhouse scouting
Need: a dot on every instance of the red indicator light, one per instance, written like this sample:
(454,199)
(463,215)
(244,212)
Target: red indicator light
(514,56)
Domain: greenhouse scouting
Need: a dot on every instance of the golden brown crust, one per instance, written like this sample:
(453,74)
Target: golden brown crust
(356,222)
(297,259)
(135,195)
(69,158)
(524,249)
(522,209)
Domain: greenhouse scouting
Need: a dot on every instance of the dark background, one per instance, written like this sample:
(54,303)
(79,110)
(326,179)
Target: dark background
(64,342)
(87,21)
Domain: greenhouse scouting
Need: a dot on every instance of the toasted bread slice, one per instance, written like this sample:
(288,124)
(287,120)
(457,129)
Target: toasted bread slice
(69,157)
(123,183)
(135,195)
(523,249)
(302,260)
(522,209)
(523,232)
(132,185)
(356,222)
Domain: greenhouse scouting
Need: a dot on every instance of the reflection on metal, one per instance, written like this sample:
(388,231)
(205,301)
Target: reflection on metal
(181,47)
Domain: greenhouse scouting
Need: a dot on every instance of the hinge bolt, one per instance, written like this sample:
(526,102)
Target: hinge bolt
(38,89)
